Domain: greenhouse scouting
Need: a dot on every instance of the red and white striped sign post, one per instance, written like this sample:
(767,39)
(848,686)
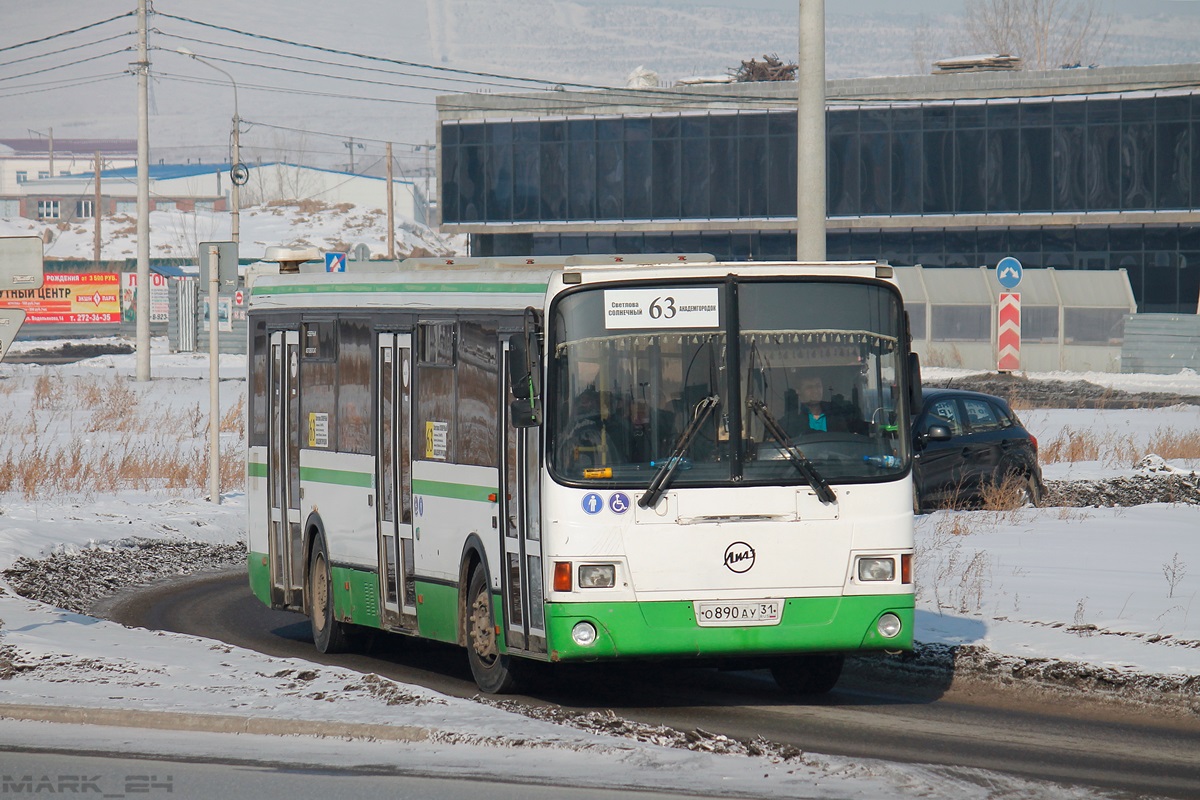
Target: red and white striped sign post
(1008,332)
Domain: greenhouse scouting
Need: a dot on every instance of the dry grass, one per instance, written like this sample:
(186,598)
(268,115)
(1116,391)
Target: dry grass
(1116,449)
(115,441)
(1008,494)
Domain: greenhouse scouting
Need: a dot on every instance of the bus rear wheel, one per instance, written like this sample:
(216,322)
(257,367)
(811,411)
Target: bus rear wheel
(494,673)
(810,674)
(329,635)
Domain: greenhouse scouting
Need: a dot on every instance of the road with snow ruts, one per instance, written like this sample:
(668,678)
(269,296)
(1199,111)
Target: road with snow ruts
(972,725)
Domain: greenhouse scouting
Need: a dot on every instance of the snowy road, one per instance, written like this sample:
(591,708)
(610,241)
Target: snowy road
(982,727)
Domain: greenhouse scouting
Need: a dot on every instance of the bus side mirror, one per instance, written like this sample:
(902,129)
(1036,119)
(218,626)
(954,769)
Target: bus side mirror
(914,383)
(524,369)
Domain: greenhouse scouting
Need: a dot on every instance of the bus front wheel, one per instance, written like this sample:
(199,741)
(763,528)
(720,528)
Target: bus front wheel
(809,674)
(329,635)
(494,673)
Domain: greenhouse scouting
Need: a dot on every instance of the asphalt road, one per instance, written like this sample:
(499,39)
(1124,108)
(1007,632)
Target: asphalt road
(979,726)
(47,774)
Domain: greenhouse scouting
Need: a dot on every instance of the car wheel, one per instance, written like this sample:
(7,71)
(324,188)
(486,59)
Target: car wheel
(1031,495)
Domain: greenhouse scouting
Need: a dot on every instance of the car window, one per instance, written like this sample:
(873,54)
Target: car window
(980,415)
(1005,417)
(945,412)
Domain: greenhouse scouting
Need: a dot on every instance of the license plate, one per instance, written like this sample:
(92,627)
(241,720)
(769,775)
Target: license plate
(712,614)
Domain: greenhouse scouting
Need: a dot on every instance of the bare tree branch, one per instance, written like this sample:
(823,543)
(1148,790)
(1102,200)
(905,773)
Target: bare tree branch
(1045,34)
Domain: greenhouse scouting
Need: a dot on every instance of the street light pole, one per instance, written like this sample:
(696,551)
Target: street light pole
(236,174)
(143,202)
(810,134)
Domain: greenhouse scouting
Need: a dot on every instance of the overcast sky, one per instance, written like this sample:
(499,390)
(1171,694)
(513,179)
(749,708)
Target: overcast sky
(282,53)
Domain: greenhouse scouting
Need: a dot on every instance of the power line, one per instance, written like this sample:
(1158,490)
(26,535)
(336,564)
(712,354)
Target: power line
(314,61)
(64,66)
(65,49)
(553,84)
(72,83)
(67,33)
(309,73)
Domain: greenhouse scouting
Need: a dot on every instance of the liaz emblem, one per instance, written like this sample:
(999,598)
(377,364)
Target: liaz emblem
(739,557)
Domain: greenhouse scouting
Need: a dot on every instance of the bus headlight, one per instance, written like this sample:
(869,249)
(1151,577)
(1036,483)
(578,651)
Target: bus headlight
(876,569)
(889,626)
(597,576)
(584,634)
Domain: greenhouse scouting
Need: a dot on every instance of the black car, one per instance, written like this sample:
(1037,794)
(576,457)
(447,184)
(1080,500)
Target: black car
(965,442)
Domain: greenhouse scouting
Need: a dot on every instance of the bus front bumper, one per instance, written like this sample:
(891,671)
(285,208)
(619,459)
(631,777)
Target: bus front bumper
(668,629)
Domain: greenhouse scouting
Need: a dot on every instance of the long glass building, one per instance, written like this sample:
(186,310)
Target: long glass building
(1071,169)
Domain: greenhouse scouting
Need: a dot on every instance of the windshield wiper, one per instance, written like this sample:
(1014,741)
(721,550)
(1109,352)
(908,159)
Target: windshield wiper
(798,459)
(662,478)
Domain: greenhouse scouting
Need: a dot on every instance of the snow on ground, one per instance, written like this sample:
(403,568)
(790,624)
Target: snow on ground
(1114,588)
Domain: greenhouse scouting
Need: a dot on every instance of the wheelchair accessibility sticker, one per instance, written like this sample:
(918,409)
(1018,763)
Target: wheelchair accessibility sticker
(618,503)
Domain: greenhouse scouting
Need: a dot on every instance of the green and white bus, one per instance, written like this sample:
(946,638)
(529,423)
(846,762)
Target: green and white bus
(582,461)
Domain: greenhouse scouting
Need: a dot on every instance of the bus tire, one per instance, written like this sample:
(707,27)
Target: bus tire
(329,635)
(808,674)
(494,672)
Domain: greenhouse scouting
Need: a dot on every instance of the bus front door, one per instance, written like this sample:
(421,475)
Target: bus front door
(521,580)
(286,542)
(394,479)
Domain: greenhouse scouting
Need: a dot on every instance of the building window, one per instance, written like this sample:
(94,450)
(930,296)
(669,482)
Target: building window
(22,176)
(961,323)
(48,209)
(43,173)
(85,209)
(126,207)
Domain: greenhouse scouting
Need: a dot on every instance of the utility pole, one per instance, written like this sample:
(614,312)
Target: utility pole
(391,215)
(810,134)
(351,144)
(96,215)
(143,203)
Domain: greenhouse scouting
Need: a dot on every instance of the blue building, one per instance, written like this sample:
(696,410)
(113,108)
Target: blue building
(1069,169)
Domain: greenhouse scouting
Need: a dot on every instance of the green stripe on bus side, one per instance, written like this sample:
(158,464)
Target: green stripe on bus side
(339,477)
(359,604)
(392,288)
(640,630)
(260,576)
(455,491)
(437,613)
(255,470)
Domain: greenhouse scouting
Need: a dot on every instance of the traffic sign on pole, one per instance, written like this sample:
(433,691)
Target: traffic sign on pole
(1008,333)
(1008,272)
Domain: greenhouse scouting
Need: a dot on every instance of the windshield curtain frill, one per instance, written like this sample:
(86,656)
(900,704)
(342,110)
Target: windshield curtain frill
(642,379)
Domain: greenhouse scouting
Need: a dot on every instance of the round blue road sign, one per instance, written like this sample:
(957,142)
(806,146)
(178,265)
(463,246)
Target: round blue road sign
(1008,272)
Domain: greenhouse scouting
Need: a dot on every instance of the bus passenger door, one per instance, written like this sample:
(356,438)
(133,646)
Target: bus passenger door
(286,542)
(394,479)
(525,627)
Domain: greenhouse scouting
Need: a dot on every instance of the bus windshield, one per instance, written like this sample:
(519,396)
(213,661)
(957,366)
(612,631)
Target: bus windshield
(643,379)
